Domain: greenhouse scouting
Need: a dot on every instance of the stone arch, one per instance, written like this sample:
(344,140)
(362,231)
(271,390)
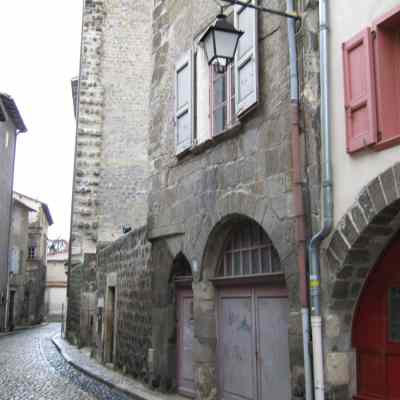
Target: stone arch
(166,266)
(212,241)
(216,241)
(279,225)
(354,247)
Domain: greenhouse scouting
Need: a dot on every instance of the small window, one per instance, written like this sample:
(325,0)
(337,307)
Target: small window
(248,251)
(31,252)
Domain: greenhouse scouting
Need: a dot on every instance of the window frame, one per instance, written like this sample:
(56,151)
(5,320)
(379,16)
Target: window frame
(230,117)
(32,252)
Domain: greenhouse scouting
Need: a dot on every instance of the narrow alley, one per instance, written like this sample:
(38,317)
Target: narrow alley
(31,368)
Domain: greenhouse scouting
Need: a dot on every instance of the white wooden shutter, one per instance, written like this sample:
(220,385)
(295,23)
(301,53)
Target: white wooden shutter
(246,59)
(183,103)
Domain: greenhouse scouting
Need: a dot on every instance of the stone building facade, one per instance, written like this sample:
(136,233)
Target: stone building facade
(28,260)
(111,172)
(203,177)
(11,124)
(359,258)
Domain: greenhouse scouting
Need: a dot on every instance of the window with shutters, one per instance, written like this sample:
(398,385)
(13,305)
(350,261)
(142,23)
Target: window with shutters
(209,103)
(371,63)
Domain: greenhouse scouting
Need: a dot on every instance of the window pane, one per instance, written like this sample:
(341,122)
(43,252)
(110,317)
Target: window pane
(276,264)
(236,260)
(228,264)
(255,261)
(219,90)
(265,259)
(246,263)
(219,119)
(394,314)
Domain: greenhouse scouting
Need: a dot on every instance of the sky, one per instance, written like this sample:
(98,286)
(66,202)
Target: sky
(40,46)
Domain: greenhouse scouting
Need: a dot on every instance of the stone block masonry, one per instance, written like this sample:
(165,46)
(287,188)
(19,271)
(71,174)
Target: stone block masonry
(89,133)
(129,259)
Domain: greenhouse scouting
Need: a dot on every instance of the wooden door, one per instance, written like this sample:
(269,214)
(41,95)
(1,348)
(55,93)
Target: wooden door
(236,345)
(11,310)
(272,312)
(185,334)
(376,331)
(253,353)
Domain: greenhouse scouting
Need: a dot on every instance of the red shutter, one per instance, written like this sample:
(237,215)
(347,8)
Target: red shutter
(359,85)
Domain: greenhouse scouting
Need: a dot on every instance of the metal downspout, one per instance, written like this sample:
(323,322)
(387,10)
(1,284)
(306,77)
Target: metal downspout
(327,204)
(298,200)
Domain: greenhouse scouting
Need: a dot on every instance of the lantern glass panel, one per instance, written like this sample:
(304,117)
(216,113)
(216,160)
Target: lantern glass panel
(209,46)
(225,43)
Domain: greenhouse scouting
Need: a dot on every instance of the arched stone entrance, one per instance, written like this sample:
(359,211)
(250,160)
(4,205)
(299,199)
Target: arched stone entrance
(376,330)
(241,310)
(353,250)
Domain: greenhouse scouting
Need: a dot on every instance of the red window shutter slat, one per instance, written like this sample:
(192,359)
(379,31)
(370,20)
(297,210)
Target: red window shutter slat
(359,85)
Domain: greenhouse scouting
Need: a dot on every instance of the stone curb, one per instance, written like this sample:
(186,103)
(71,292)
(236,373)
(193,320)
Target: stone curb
(92,374)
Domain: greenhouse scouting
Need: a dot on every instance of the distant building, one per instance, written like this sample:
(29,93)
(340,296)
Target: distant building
(56,280)
(28,260)
(11,124)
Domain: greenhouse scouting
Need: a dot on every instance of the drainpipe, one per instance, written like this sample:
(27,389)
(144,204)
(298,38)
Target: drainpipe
(327,204)
(298,201)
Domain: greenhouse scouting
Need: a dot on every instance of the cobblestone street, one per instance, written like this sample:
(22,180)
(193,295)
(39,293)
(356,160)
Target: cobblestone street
(31,368)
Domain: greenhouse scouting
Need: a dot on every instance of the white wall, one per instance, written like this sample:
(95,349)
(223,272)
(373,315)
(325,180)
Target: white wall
(352,172)
(55,299)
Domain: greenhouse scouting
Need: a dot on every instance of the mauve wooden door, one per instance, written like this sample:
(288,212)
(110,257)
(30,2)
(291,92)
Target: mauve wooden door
(253,355)
(185,331)
(272,345)
(236,347)
(376,331)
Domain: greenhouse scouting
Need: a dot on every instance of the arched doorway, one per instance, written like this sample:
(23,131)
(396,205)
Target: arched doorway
(252,317)
(376,330)
(181,285)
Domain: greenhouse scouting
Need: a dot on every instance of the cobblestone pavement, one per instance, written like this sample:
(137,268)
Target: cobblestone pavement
(31,368)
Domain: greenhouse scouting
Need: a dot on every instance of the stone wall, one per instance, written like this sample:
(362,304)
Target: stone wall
(89,134)
(129,259)
(111,165)
(111,170)
(18,256)
(126,66)
(74,302)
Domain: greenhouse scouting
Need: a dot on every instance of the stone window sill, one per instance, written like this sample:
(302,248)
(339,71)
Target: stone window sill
(199,148)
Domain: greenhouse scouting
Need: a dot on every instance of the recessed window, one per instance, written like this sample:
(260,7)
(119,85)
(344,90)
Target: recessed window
(31,252)
(248,251)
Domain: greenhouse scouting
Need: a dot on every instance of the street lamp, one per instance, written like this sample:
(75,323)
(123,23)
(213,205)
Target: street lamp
(220,42)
